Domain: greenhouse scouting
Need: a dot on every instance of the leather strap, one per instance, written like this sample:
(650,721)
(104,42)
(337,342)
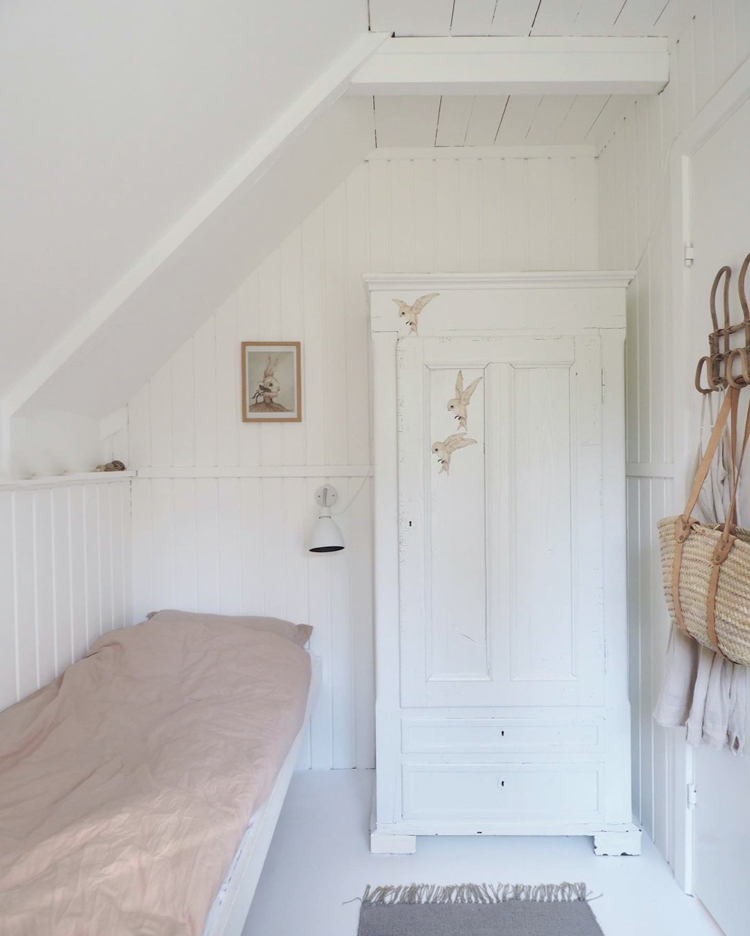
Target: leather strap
(727,539)
(684,523)
(705,465)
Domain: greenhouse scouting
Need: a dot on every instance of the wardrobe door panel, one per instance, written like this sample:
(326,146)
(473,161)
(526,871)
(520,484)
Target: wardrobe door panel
(542,639)
(454,512)
(500,468)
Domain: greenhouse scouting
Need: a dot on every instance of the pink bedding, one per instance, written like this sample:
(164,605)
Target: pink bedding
(126,785)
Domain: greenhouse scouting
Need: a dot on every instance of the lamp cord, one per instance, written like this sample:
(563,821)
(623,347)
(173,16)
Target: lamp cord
(352,498)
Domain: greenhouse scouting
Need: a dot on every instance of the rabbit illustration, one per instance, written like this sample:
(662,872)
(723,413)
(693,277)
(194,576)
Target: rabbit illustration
(459,405)
(268,389)
(444,450)
(410,313)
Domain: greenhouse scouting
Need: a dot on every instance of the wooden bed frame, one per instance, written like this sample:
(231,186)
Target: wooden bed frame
(232,912)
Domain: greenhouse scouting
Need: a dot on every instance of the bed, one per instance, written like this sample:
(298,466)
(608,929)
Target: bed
(230,908)
(147,774)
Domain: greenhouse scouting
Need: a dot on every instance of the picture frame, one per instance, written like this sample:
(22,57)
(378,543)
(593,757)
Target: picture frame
(271,381)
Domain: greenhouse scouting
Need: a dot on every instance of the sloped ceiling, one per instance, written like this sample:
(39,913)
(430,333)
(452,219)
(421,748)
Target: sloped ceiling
(116,119)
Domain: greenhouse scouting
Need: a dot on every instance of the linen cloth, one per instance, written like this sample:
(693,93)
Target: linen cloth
(127,784)
(701,690)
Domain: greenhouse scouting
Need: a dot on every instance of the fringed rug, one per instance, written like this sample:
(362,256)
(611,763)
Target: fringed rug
(478,910)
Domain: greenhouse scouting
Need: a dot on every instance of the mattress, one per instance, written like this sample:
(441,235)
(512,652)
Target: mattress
(178,732)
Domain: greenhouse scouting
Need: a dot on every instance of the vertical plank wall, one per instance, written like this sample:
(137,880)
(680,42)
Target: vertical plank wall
(65,576)
(222,509)
(635,219)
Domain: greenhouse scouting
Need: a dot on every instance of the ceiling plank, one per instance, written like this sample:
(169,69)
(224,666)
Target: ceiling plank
(548,119)
(676,13)
(406,121)
(514,17)
(641,18)
(411,17)
(453,121)
(556,17)
(517,119)
(473,17)
(606,123)
(497,66)
(527,17)
(596,18)
(581,118)
(484,122)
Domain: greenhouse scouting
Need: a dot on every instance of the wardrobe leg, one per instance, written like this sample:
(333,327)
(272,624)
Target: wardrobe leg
(383,844)
(615,844)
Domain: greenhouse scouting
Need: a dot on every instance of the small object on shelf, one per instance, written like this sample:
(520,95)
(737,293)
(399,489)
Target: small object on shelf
(111,466)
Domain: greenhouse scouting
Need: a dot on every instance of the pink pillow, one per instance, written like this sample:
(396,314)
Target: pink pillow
(298,633)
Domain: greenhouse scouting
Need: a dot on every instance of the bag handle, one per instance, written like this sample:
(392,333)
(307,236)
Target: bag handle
(736,463)
(705,466)
(727,538)
(683,523)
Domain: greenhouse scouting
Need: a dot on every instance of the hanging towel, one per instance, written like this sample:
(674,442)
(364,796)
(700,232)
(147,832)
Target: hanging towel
(701,690)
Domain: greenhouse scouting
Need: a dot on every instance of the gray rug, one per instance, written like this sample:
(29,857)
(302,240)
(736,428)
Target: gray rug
(478,910)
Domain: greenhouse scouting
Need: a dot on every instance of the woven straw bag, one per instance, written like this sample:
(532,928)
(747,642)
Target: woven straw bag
(707,568)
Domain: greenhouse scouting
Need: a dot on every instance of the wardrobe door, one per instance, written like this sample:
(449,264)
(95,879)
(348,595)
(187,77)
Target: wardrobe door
(500,480)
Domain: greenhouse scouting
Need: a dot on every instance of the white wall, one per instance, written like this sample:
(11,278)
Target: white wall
(635,220)
(222,509)
(117,119)
(50,442)
(65,575)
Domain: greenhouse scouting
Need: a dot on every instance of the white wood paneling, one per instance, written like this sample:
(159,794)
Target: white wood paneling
(223,527)
(523,17)
(635,229)
(64,576)
(239,546)
(583,120)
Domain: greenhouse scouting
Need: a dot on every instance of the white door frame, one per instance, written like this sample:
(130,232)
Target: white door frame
(727,100)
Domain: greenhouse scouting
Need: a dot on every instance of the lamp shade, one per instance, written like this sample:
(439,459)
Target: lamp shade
(326,536)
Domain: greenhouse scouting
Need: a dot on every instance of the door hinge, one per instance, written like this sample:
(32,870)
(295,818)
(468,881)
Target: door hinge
(689,255)
(692,796)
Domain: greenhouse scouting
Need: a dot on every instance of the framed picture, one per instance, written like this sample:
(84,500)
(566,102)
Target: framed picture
(271,381)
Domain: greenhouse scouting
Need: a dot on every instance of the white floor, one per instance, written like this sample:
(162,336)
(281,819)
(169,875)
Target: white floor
(319,860)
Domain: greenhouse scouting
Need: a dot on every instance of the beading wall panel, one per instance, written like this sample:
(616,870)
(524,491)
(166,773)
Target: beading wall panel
(237,544)
(65,557)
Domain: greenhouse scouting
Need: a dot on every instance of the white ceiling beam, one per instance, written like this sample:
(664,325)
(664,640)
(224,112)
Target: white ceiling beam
(518,65)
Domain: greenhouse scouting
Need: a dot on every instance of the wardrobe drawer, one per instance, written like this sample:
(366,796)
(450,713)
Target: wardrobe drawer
(516,792)
(491,736)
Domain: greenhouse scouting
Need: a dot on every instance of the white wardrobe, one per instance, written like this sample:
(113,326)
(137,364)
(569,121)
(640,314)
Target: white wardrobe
(501,645)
